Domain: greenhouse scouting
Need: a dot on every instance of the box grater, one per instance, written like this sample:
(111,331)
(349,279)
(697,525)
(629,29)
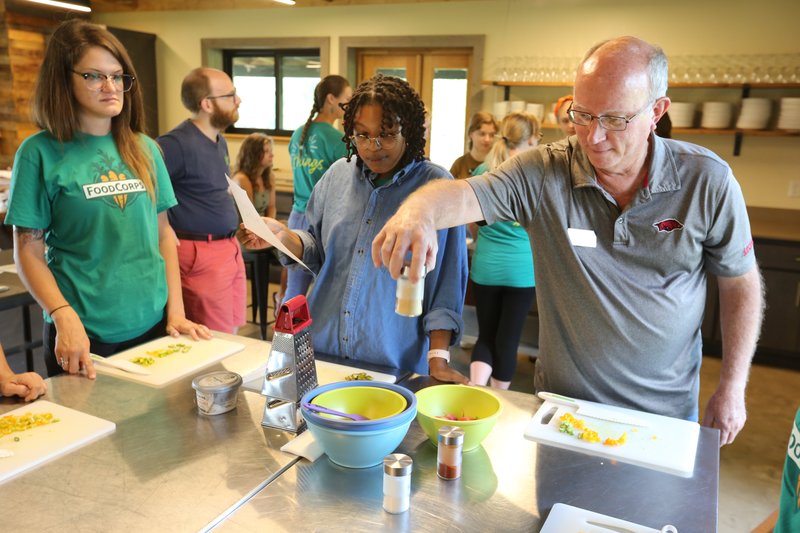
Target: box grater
(290,369)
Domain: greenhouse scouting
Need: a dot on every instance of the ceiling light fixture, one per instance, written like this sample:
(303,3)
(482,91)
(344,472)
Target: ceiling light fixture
(63,5)
(287,2)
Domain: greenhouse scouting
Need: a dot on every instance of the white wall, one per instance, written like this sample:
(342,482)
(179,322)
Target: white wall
(513,28)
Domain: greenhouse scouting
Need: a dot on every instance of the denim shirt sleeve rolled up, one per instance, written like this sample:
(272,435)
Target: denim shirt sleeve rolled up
(352,302)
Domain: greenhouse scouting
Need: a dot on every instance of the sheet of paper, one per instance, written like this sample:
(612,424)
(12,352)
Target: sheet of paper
(252,221)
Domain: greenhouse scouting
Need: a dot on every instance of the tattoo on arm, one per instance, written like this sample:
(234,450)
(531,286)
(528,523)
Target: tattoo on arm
(27,235)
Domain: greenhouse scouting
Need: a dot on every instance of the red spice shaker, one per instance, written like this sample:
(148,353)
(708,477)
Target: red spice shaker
(451,442)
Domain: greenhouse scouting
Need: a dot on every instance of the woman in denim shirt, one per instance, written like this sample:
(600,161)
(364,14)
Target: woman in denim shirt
(352,302)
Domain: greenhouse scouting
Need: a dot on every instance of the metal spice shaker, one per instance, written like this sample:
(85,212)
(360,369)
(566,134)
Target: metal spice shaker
(397,483)
(409,295)
(451,443)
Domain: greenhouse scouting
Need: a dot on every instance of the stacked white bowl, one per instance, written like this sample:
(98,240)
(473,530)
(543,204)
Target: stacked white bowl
(536,110)
(500,109)
(789,119)
(755,113)
(681,114)
(517,106)
(716,115)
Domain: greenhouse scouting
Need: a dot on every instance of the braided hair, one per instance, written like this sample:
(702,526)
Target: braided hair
(333,84)
(400,103)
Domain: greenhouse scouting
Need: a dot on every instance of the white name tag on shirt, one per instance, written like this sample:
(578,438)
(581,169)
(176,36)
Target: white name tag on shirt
(582,237)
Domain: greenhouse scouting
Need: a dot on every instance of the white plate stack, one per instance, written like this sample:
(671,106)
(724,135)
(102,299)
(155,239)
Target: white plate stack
(716,115)
(755,114)
(789,119)
(681,114)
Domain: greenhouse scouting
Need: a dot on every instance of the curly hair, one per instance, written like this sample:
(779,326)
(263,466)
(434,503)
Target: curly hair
(400,104)
(249,159)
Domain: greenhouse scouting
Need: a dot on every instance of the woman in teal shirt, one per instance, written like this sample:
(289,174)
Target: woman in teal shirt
(314,148)
(502,270)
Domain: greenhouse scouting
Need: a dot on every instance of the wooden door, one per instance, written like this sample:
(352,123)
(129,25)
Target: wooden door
(399,64)
(428,71)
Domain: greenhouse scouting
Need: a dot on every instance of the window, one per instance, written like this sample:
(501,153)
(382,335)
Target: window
(276,88)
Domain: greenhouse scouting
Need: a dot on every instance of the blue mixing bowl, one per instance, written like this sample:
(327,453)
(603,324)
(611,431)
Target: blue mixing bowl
(364,425)
(360,444)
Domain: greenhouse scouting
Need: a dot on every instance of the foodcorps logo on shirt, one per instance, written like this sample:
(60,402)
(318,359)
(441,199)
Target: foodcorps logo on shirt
(116,186)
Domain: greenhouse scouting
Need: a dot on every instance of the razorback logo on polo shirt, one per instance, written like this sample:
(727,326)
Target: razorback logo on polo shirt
(748,248)
(668,225)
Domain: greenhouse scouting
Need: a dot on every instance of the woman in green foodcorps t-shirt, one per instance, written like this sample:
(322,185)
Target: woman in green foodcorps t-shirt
(88,203)
(789,510)
(313,149)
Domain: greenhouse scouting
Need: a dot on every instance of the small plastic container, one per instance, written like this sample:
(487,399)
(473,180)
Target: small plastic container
(409,295)
(217,392)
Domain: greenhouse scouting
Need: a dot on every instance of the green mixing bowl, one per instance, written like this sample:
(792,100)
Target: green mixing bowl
(434,403)
(372,402)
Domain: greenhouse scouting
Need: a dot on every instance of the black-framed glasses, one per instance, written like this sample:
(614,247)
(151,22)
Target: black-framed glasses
(384,140)
(229,95)
(608,122)
(95,80)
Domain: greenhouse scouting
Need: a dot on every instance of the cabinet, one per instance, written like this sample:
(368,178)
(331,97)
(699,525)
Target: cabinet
(702,91)
(780,266)
(779,343)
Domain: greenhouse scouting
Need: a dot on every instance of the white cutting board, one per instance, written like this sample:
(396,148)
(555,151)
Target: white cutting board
(44,443)
(326,373)
(565,518)
(173,367)
(666,444)
(331,373)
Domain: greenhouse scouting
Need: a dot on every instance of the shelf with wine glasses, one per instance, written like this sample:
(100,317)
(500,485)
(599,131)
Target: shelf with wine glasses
(694,85)
(743,87)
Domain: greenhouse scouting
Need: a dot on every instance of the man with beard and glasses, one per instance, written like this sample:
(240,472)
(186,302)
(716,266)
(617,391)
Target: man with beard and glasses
(205,219)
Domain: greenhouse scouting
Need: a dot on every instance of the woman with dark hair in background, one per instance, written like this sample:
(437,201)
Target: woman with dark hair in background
(312,149)
(481,134)
(88,203)
(502,270)
(254,172)
(352,302)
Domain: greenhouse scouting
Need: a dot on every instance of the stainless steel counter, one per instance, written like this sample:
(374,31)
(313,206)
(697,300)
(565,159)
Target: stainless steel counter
(508,484)
(165,468)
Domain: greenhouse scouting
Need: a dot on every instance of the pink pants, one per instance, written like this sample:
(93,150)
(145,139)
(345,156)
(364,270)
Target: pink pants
(214,283)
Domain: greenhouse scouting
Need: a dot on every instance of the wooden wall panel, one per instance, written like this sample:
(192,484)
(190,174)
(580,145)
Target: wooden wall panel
(26,52)
(22,42)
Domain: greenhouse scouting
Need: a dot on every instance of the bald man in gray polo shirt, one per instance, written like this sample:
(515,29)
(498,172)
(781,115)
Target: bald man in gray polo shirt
(624,225)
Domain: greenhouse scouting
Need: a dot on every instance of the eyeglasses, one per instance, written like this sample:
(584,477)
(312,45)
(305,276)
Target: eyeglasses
(384,140)
(95,80)
(229,95)
(608,122)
